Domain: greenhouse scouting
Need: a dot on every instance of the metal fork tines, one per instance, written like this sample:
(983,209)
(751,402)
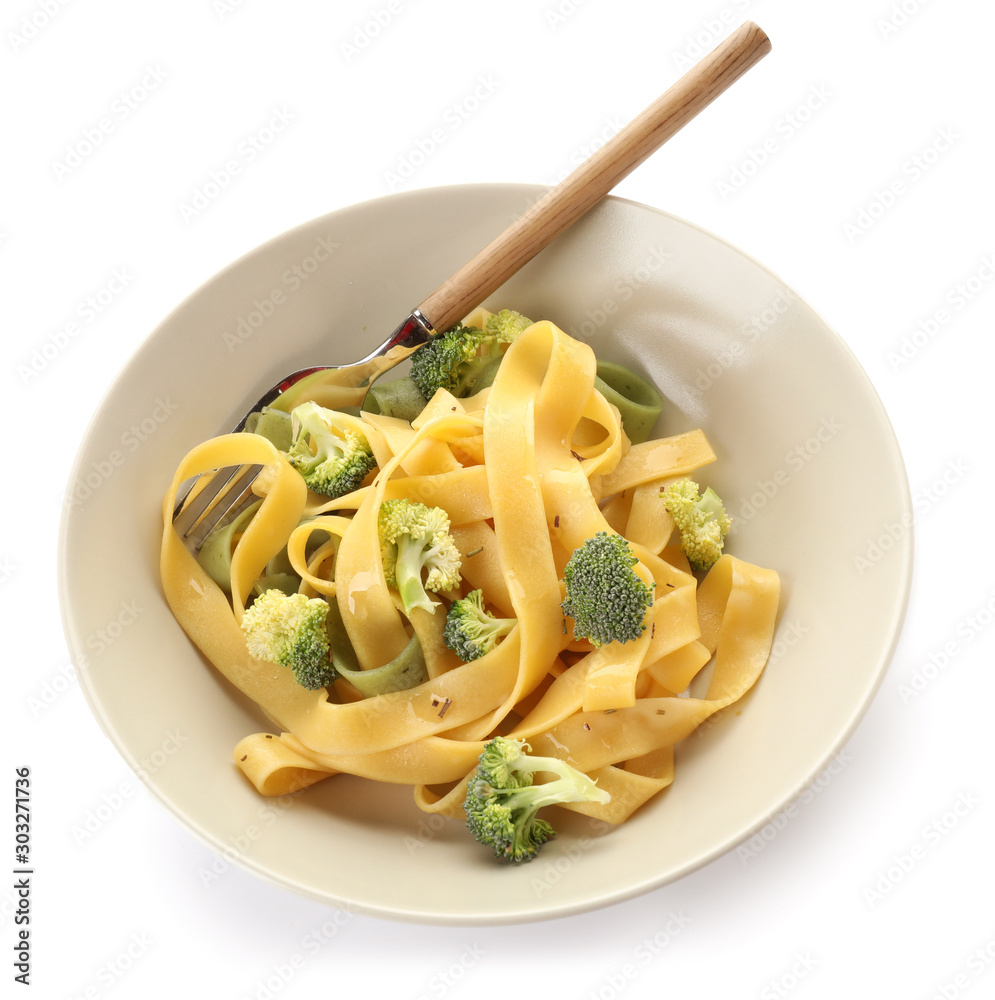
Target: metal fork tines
(219,498)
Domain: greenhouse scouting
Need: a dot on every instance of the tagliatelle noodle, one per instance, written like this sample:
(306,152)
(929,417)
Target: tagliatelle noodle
(297,546)
(682,454)
(433,760)
(427,454)
(439,659)
(375,626)
(463,490)
(648,523)
(552,449)
(675,671)
(274,767)
(482,568)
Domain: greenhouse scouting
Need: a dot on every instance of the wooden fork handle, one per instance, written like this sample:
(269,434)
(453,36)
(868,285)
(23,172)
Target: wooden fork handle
(564,204)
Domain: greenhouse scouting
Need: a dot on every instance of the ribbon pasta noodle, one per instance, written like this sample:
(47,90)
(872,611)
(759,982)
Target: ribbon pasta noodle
(526,470)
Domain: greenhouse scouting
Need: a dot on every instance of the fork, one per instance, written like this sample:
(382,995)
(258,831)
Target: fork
(222,495)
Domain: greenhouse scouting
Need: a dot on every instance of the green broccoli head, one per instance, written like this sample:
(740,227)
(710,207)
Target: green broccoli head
(502,803)
(415,538)
(506,325)
(329,449)
(470,631)
(605,598)
(450,361)
(701,519)
(289,629)
(463,359)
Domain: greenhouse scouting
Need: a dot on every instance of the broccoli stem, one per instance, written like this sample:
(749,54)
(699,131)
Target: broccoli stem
(548,793)
(533,764)
(411,557)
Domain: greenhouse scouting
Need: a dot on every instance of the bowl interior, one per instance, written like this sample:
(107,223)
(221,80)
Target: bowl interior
(791,416)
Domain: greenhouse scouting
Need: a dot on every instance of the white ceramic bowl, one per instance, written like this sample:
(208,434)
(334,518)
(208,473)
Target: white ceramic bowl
(788,410)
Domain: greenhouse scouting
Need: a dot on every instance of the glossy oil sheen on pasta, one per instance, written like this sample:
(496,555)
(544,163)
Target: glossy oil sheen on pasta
(526,470)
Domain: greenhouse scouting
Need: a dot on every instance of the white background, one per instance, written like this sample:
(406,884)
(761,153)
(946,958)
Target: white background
(877,885)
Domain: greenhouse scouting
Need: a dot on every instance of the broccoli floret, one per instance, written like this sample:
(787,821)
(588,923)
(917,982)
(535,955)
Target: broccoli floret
(605,598)
(414,537)
(470,631)
(450,361)
(465,356)
(289,629)
(506,325)
(501,802)
(701,519)
(329,450)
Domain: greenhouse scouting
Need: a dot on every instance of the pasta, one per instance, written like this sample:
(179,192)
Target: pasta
(527,469)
